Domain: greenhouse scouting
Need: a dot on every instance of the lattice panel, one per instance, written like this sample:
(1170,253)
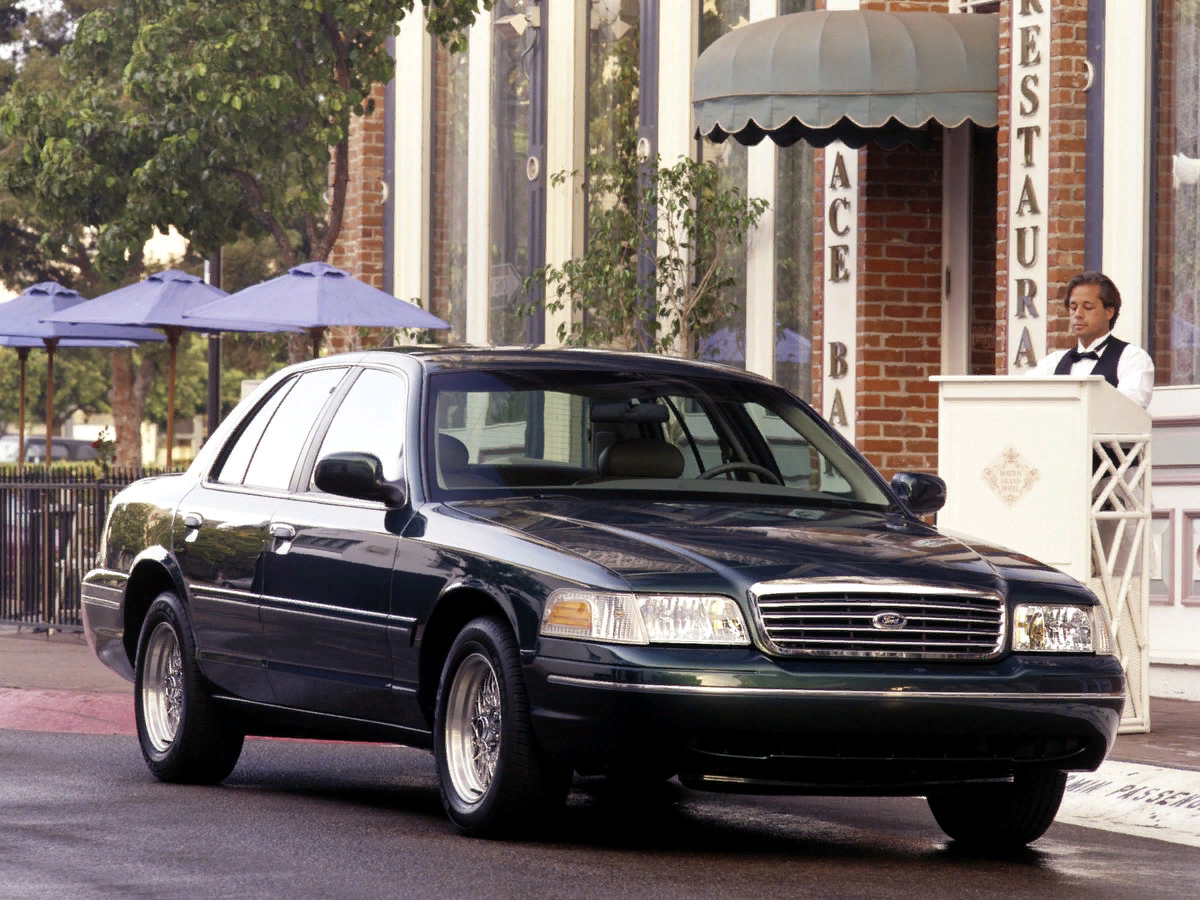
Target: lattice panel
(1120,563)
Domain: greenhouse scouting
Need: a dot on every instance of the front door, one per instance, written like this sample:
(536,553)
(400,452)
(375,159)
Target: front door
(328,572)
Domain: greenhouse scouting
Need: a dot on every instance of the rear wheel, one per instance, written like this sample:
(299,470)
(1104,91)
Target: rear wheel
(494,778)
(182,734)
(1000,815)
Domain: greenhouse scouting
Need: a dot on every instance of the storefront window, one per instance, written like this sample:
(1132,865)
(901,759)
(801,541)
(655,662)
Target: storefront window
(728,342)
(793,206)
(613,83)
(448,193)
(1176,339)
(514,251)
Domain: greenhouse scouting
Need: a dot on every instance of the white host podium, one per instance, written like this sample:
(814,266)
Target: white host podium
(1058,468)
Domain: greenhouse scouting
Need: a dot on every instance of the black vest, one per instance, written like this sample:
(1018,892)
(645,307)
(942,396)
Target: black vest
(1106,365)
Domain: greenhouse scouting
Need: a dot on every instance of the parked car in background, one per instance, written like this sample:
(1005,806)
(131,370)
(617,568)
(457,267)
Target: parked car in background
(35,449)
(536,563)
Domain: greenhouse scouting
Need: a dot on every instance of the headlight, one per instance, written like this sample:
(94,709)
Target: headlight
(1045,628)
(644,618)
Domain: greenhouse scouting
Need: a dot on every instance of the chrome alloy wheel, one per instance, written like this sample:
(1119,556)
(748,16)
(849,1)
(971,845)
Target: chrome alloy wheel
(162,687)
(473,728)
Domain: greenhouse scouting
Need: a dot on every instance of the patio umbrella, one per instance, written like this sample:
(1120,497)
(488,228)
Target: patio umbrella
(25,317)
(23,345)
(315,296)
(162,300)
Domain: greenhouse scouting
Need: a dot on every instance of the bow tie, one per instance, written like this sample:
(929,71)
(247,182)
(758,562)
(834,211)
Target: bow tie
(1075,356)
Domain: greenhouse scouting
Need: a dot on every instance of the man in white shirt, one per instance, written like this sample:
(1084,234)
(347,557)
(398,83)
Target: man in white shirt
(1093,303)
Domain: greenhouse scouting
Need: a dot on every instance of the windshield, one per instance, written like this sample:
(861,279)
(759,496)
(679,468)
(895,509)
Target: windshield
(528,431)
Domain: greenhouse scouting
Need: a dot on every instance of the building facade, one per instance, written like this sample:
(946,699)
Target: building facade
(874,269)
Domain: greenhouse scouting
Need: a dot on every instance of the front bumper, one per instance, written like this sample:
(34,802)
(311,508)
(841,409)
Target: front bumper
(739,720)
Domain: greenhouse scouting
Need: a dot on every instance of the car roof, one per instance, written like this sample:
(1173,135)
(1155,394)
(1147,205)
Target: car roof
(440,358)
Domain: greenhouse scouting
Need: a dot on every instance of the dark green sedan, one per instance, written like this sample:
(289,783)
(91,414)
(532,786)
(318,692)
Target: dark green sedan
(537,563)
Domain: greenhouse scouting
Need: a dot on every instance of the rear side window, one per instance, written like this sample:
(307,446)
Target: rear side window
(266,452)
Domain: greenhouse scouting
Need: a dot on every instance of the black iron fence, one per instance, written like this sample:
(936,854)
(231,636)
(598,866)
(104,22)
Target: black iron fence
(51,522)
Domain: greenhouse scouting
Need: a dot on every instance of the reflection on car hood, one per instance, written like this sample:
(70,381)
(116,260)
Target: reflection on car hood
(644,541)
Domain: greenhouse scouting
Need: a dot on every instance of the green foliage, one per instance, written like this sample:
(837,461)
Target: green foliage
(81,379)
(216,118)
(689,221)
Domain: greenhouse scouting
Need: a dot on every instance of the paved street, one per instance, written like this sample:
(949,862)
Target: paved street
(297,819)
(83,819)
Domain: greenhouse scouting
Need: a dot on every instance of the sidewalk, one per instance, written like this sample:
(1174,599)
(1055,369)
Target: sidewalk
(1149,785)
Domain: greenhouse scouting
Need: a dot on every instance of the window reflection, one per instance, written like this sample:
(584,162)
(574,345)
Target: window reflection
(1177,282)
(512,256)
(449,184)
(728,343)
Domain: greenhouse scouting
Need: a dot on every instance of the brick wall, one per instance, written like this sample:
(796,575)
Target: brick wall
(359,248)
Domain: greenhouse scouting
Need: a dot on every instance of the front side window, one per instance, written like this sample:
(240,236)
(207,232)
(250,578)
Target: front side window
(370,419)
(574,430)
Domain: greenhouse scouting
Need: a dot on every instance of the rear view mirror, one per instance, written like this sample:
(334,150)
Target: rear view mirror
(923,493)
(631,412)
(358,475)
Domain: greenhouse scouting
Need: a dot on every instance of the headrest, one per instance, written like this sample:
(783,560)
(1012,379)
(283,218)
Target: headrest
(643,458)
(453,455)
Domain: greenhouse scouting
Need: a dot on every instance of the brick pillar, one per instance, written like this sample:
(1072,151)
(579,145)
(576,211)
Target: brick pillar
(359,248)
(899,305)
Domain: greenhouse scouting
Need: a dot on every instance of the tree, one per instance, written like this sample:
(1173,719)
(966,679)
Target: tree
(216,118)
(220,119)
(689,221)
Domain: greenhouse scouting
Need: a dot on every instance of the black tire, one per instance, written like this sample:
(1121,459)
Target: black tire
(183,736)
(495,780)
(1000,816)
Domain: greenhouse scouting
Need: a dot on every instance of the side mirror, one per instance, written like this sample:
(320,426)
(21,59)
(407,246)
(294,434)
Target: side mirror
(923,493)
(358,475)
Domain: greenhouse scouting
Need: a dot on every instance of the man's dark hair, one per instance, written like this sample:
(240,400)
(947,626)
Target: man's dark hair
(1109,295)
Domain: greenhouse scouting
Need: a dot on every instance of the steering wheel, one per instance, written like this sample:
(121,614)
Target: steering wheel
(742,466)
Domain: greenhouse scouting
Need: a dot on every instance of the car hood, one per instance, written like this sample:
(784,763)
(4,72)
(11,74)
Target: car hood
(652,545)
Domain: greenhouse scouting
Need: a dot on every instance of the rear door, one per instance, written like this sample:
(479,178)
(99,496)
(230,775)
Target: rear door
(328,570)
(221,527)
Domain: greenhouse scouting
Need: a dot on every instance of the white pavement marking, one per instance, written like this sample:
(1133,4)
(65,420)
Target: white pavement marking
(1147,801)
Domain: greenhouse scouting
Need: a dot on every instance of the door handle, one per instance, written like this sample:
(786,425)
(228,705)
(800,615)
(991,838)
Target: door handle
(192,520)
(283,531)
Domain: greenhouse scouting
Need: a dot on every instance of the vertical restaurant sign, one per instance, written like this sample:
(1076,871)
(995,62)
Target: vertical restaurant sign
(841,287)
(1028,183)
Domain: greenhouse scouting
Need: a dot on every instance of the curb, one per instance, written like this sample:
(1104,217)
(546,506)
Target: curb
(66,711)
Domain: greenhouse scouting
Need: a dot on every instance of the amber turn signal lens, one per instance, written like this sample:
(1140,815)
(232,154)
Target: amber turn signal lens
(570,614)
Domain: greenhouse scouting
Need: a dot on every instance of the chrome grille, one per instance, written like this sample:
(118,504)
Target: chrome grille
(878,619)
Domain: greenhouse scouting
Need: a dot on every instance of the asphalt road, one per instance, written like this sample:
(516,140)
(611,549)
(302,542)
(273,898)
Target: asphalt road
(81,817)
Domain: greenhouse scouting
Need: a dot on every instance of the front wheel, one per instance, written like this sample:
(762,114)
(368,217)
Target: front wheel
(494,778)
(182,735)
(1000,816)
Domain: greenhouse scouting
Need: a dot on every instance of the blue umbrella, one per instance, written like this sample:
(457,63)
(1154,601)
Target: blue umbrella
(163,300)
(315,296)
(24,317)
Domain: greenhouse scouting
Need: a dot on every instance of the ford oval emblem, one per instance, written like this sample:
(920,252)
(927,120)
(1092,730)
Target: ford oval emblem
(889,621)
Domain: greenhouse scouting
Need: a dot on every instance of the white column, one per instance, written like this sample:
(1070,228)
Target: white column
(479,155)
(410,178)
(566,136)
(1128,100)
(677,39)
